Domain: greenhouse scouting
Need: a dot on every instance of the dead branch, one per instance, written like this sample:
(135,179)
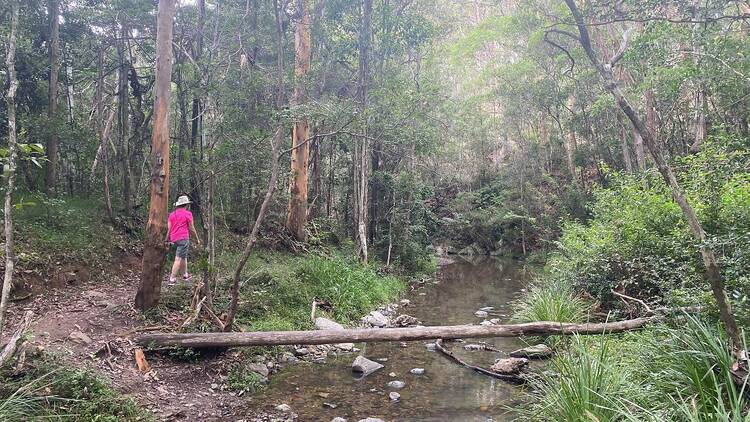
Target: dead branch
(509,378)
(10,347)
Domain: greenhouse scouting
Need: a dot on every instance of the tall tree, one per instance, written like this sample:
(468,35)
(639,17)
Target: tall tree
(10,164)
(713,273)
(361,150)
(154,248)
(297,210)
(53,139)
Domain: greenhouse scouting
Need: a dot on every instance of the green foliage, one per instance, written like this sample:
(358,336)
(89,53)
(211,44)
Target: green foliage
(279,288)
(51,390)
(637,239)
(551,302)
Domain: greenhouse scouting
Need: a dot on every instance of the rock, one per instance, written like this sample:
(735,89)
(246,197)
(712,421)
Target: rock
(330,405)
(396,384)
(431,347)
(338,419)
(405,302)
(485,323)
(394,396)
(404,320)
(417,371)
(403,344)
(364,366)
(540,351)
(326,324)
(80,338)
(392,375)
(259,368)
(487,308)
(302,351)
(510,366)
(495,320)
(376,319)
(481,314)
(371,420)
(346,347)
(473,347)
(284,408)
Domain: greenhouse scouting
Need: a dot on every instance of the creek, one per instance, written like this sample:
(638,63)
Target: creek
(446,391)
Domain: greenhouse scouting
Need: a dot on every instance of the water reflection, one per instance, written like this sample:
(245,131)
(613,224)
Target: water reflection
(446,391)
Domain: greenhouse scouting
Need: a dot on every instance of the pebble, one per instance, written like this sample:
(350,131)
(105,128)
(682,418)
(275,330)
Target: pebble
(338,419)
(80,338)
(396,384)
(392,375)
(302,351)
(485,323)
(394,396)
(403,344)
(487,308)
(330,405)
(481,314)
(405,302)
(417,371)
(431,347)
(473,347)
(371,420)
(283,407)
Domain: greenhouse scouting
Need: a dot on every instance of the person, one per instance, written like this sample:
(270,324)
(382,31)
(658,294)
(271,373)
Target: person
(179,227)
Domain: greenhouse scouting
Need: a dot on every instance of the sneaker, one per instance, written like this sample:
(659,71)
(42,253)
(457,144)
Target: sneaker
(187,277)
(172,281)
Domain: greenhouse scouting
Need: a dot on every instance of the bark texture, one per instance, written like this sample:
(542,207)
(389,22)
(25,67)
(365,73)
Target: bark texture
(297,212)
(366,335)
(154,249)
(10,170)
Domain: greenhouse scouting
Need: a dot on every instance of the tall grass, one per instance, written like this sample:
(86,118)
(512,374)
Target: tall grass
(584,384)
(551,302)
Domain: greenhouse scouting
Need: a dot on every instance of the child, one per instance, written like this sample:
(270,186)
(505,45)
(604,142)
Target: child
(179,226)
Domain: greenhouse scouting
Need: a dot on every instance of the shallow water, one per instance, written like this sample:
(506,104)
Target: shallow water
(446,391)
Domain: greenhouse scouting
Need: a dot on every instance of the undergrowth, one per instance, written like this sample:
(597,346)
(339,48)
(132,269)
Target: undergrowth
(51,390)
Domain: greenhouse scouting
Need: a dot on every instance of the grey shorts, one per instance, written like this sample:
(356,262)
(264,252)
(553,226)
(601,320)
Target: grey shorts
(182,248)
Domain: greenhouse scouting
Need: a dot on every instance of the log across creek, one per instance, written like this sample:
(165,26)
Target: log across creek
(366,335)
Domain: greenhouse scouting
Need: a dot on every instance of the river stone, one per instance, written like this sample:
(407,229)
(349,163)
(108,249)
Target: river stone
(481,314)
(259,368)
(284,408)
(326,324)
(365,366)
(405,302)
(302,351)
(371,420)
(417,371)
(396,384)
(338,419)
(510,366)
(79,337)
(346,347)
(540,351)
(487,308)
(394,396)
(376,319)
(431,347)
(485,323)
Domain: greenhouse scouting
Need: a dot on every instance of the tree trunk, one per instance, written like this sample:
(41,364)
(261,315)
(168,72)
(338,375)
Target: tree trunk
(361,150)
(54,73)
(297,211)
(103,130)
(571,146)
(624,144)
(123,123)
(366,335)
(154,250)
(713,274)
(10,169)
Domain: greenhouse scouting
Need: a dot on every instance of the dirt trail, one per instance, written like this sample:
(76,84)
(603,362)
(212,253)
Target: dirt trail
(92,324)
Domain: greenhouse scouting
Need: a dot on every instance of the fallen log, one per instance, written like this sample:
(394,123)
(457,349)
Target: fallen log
(450,355)
(10,347)
(366,335)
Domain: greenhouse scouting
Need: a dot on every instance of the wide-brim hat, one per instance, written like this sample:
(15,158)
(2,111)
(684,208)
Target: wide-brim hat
(182,200)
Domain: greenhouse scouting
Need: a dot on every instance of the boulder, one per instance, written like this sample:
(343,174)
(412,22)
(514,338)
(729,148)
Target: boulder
(540,351)
(326,324)
(80,338)
(376,319)
(510,366)
(364,366)
(259,368)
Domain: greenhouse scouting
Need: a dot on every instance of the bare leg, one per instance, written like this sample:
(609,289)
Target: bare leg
(175,267)
(184,266)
